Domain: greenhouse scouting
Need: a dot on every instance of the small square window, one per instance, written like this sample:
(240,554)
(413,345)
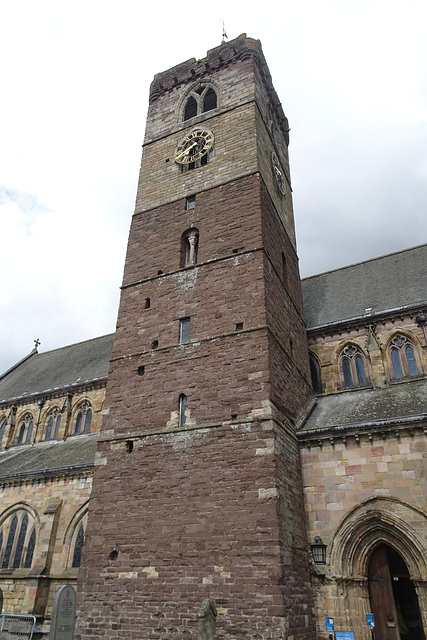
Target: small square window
(191,202)
(184,330)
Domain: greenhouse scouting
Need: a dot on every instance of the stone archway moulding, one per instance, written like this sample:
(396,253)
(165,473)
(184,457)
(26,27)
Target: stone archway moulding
(373,522)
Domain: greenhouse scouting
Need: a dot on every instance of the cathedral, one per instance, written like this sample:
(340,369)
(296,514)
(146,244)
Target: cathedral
(246,456)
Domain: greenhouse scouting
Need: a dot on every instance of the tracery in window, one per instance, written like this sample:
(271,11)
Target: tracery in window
(20,533)
(200,100)
(26,430)
(53,424)
(189,247)
(353,367)
(83,419)
(316,382)
(403,358)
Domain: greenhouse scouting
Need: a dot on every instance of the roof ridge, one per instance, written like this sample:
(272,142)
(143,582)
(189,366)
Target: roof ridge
(355,264)
(75,344)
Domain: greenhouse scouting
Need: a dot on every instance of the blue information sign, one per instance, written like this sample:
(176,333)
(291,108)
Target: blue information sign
(370,620)
(344,635)
(329,624)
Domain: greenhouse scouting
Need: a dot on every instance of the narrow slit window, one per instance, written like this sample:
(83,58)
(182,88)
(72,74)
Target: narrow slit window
(184,330)
(182,409)
(190,202)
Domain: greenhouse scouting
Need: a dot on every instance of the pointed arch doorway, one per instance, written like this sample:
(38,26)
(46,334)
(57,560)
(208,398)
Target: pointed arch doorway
(393,598)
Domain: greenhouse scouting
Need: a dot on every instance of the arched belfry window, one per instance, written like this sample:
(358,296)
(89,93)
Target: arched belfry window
(209,100)
(353,367)
(25,431)
(19,532)
(189,247)
(201,99)
(403,358)
(83,419)
(190,108)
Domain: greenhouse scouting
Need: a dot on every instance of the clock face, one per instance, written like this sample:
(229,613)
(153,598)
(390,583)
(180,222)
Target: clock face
(278,174)
(194,146)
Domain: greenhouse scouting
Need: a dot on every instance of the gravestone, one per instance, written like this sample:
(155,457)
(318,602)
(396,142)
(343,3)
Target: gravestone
(63,614)
(207,621)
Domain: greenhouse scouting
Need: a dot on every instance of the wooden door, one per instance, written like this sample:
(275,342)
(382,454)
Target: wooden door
(381,596)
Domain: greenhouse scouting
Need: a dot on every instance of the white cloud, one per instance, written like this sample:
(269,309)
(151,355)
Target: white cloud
(350,75)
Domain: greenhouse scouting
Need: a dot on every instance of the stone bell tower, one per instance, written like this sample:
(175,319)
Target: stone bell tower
(197,492)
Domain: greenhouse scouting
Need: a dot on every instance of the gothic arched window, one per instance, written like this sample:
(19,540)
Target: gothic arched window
(353,367)
(53,424)
(26,430)
(83,419)
(403,359)
(315,375)
(2,430)
(200,100)
(20,533)
(78,547)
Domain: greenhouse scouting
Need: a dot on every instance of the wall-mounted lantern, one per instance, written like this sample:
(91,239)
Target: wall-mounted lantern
(318,551)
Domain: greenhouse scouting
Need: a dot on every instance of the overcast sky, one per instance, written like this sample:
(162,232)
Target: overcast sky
(351,75)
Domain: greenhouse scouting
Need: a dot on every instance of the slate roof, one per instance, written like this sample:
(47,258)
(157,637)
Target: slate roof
(47,458)
(389,282)
(69,366)
(402,402)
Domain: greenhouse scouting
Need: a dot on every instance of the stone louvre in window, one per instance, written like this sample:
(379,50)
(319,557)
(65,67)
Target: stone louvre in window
(200,100)
(403,358)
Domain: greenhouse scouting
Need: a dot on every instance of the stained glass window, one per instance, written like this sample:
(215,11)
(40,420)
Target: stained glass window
(353,367)
(78,547)
(20,543)
(9,543)
(30,550)
(403,358)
